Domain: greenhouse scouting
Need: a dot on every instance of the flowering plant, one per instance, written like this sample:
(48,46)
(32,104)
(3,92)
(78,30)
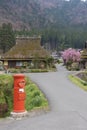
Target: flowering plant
(71,55)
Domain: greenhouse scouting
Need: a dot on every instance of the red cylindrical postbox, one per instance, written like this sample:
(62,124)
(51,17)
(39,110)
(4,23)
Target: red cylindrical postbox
(19,93)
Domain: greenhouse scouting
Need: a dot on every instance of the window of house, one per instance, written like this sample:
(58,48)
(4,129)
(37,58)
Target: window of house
(19,63)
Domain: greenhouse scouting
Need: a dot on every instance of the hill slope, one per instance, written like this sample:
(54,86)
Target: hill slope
(27,14)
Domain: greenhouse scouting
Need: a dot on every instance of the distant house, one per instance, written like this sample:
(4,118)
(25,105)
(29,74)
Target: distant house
(26,51)
(54,55)
(83,62)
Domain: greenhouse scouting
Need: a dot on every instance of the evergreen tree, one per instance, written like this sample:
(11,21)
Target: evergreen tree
(7,37)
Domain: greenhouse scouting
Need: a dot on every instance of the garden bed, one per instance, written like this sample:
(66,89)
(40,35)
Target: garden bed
(82,76)
(80,79)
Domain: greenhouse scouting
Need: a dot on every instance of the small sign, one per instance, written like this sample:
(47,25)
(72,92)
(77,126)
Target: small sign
(21,90)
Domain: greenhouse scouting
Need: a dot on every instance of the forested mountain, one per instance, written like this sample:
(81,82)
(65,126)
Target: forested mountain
(28,14)
(61,23)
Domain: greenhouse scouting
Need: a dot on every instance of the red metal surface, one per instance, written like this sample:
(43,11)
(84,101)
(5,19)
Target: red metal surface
(19,93)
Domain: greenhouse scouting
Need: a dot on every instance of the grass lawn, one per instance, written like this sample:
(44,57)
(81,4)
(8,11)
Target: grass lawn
(35,99)
(81,83)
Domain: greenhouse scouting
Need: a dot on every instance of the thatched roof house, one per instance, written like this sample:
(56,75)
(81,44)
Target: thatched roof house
(25,50)
(83,62)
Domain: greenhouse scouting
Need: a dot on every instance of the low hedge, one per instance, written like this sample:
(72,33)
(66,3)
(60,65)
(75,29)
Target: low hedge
(27,70)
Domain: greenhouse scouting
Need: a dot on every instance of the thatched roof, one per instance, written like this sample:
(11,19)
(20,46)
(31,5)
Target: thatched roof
(26,48)
(84,54)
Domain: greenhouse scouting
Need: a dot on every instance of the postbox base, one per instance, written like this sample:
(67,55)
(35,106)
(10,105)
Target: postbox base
(19,115)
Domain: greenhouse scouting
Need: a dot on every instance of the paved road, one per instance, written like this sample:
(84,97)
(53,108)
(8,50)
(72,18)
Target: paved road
(68,105)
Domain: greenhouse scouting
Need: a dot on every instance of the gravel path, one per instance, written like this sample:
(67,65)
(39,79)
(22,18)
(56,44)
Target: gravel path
(68,104)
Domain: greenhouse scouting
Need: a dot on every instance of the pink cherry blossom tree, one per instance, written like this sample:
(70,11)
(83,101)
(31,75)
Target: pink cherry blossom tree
(71,55)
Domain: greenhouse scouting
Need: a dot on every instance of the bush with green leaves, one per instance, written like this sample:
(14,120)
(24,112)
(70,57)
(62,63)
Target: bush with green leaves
(22,70)
(34,97)
(6,92)
(75,66)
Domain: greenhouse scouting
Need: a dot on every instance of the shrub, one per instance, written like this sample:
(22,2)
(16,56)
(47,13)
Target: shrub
(31,88)
(36,93)
(75,66)
(36,102)
(13,70)
(34,97)
(6,94)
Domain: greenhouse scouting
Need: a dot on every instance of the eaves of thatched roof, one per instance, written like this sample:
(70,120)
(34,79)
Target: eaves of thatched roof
(26,48)
(84,54)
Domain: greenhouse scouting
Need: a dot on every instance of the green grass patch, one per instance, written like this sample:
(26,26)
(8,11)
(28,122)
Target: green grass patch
(34,97)
(6,94)
(81,83)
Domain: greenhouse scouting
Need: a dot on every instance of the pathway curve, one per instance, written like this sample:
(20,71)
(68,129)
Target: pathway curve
(68,104)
